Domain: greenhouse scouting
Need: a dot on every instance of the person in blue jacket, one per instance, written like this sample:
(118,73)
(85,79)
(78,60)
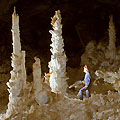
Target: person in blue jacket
(87,80)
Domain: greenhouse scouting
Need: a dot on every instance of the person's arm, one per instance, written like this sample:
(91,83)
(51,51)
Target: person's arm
(76,84)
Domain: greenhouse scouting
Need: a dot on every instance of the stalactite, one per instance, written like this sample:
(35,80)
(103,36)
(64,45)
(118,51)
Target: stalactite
(57,64)
(17,81)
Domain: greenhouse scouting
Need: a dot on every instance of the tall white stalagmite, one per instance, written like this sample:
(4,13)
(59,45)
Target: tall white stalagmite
(112,39)
(57,64)
(17,81)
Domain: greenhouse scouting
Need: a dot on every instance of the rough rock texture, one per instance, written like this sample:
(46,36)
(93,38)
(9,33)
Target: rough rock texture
(110,77)
(97,107)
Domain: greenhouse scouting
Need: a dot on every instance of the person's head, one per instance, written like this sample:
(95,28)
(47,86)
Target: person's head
(85,69)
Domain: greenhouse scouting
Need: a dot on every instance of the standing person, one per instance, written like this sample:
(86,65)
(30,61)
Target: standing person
(87,80)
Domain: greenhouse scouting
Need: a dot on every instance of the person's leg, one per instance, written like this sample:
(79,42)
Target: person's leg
(87,93)
(81,93)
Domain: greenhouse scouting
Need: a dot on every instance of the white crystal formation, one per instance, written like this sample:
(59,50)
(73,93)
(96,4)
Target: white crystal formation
(17,81)
(57,64)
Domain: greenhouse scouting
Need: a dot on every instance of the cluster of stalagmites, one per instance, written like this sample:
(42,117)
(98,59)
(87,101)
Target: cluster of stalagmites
(22,93)
(45,98)
(104,58)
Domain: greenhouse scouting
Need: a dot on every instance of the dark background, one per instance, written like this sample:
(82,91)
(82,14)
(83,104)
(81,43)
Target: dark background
(83,21)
